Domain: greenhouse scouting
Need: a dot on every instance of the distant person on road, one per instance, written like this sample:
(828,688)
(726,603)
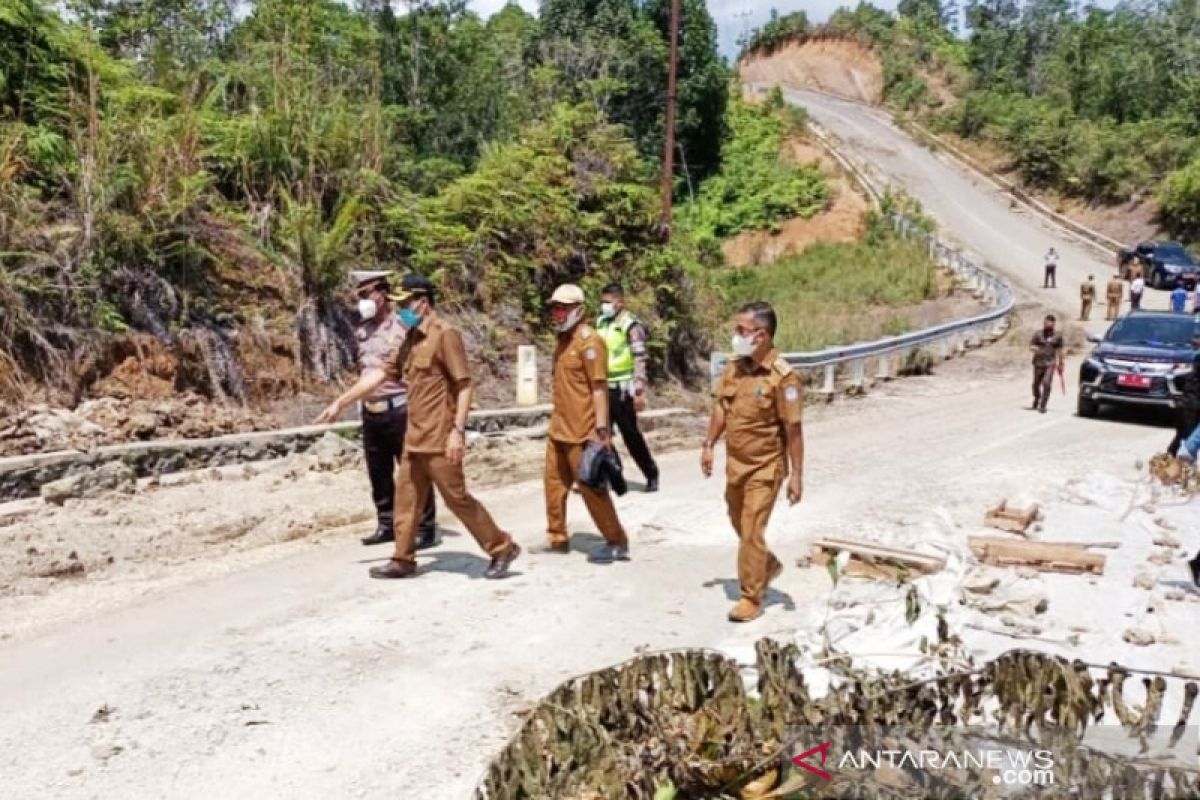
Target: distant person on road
(625,339)
(385,410)
(1050,278)
(1114,293)
(1179,298)
(580,416)
(1196,299)
(1187,412)
(1136,287)
(433,363)
(1047,348)
(1087,296)
(759,401)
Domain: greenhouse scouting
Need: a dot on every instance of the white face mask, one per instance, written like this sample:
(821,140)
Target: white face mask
(367,308)
(608,310)
(742,345)
(572,320)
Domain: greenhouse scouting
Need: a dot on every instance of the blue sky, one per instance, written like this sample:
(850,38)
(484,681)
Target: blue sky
(732,16)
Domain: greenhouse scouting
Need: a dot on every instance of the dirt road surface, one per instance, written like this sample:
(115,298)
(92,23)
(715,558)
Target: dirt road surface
(287,673)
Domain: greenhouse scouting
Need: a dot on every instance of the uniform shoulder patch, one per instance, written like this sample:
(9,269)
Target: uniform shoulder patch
(590,353)
(781,366)
(792,394)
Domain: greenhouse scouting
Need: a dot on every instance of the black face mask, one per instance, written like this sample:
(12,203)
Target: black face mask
(1048,330)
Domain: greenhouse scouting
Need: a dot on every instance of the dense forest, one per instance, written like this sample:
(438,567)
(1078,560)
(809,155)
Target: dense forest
(1103,104)
(191,168)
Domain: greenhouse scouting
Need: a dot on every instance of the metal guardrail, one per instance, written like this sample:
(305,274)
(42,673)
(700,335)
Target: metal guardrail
(891,352)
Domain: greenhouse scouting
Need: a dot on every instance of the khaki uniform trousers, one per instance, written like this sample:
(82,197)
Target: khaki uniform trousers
(750,498)
(1085,311)
(418,472)
(1112,308)
(562,471)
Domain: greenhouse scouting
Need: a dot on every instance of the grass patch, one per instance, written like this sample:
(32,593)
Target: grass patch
(839,293)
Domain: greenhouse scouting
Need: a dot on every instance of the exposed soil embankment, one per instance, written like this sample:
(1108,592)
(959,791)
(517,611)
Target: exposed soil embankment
(838,66)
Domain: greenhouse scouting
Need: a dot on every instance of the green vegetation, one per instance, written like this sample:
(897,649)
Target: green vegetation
(166,166)
(1102,104)
(756,187)
(837,293)
(778,31)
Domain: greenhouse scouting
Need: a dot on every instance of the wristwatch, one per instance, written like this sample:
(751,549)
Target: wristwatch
(460,429)
(708,444)
(602,430)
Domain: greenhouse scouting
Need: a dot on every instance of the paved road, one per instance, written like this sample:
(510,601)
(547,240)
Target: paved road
(300,678)
(969,209)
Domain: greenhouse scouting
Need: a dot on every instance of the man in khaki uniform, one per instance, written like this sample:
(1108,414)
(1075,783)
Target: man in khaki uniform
(759,401)
(433,363)
(580,415)
(1087,296)
(1114,293)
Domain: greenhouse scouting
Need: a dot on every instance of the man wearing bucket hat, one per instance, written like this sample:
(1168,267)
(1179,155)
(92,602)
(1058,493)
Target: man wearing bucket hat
(385,410)
(433,363)
(580,414)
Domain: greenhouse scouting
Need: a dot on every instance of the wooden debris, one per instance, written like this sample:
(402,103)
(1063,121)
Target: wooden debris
(870,560)
(1014,520)
(1057,557)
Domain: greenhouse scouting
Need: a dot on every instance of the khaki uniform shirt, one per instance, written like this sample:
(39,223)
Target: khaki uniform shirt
(433,362)
(580,363)
(760,399)
(1087,291)
(1115,289)
(1048,348)
(377,342)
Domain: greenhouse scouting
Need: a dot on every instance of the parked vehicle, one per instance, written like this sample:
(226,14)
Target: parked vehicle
(1165,265)
(1140,361)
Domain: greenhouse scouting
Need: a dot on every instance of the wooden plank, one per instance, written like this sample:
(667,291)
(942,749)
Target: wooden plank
(1014,520)
(875,560)
(1045,556)
(859,568)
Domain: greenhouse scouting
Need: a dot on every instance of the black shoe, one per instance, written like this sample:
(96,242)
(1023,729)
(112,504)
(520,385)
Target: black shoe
(652,484)
(1194,565)
(499,566)
(608,553)
(1042,410)
(382,534)
(428,539)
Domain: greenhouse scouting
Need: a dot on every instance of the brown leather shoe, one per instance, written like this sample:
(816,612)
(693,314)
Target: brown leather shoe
(500,564)
(745,611)
(561,546)
(394,568)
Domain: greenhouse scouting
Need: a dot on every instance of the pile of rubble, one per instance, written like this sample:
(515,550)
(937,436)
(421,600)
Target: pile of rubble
(108,420)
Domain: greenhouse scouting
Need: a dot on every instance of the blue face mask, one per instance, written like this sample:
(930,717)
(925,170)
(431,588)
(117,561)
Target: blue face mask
(409,318)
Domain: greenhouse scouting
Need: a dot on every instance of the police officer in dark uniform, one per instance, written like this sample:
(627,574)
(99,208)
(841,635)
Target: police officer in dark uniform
(385,411)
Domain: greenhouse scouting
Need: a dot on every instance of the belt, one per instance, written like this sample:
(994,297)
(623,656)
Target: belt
(385,405)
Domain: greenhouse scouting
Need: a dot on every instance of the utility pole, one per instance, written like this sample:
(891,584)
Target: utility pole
(668,166)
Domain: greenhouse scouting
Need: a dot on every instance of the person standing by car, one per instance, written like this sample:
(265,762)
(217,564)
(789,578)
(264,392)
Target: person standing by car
(1050,277)
(384,411)
(1087,296)
(1187,409)
(1136,287)
(1179,298)
(1113,294)
(1047,348)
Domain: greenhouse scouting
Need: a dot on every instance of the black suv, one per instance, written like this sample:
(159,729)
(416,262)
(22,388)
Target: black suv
(1165,264)
(1141,360)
